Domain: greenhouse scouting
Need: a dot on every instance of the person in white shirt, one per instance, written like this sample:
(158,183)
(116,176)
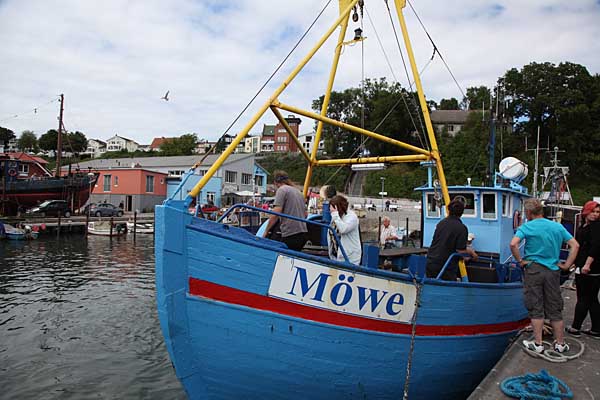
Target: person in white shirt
(345,223)
(389,233)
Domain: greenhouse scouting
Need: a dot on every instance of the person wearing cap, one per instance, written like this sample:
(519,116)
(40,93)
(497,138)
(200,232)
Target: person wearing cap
(289,201)
(450,237)
(587,272)
(541,275)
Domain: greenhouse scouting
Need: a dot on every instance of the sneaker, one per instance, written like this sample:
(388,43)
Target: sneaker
(533,346)
(561,348)
(589,332)
(572,331)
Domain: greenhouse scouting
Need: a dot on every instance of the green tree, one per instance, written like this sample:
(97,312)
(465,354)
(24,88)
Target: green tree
(477,98)
(383,108)
(182,146)
(564,102)
(75,142)
(28,141)
(6,135)
(449,104)
(48,141)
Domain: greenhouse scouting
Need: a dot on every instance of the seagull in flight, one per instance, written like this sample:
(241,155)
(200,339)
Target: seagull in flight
(166,96)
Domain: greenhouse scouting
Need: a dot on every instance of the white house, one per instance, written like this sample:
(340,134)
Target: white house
(117,143)
(95,148)
(252,144)
(307,140)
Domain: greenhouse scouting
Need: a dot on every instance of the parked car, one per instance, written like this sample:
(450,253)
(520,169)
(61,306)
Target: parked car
(51,208)
(102,210)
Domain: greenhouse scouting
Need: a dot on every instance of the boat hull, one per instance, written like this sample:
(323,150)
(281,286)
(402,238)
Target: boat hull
(140,228)
(104,229)
(31,192)
(231,333)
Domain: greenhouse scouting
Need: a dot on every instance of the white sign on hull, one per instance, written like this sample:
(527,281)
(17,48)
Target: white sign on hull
(348,292)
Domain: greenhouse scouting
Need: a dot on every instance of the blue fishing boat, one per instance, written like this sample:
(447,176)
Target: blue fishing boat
(246,317)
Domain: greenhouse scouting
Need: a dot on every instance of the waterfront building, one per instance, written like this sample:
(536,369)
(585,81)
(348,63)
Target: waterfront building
(138,188)
(450,121)
(95,148)
(240,174)
(252,144)
(283,142)
(307,140)
(157,142)
(23,166)
(118,143)
(267,139)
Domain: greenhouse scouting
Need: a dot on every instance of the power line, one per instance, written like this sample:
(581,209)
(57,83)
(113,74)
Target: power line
(31,110)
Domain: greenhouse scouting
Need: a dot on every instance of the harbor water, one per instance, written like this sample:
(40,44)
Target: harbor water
(78,320)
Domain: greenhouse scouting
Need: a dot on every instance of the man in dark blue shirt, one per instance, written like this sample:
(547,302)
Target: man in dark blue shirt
(450,237)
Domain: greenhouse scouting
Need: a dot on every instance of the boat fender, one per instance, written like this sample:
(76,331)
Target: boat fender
(517,220)
(12,172)
(536,386)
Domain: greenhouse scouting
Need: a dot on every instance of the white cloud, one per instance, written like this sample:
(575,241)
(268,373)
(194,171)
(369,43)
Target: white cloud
(114,59)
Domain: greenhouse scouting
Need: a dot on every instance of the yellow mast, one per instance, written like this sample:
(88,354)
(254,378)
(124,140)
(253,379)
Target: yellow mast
(211,171)
(345,7)
(327,97)
(435,153)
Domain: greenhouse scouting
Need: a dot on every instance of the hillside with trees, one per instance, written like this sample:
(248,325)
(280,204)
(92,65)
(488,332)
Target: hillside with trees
(563,100)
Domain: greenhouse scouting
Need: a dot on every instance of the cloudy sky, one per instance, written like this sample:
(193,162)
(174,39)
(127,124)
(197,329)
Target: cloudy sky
(115,59)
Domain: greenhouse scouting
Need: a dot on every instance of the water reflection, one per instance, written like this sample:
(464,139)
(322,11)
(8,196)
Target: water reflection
(78,320)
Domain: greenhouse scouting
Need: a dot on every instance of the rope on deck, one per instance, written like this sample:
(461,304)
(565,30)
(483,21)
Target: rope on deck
(553,356)
(541,386)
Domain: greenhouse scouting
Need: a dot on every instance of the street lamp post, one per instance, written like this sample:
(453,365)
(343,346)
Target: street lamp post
(382,193)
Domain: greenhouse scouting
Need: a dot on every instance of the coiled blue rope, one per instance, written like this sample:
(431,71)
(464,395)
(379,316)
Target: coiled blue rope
(542,386)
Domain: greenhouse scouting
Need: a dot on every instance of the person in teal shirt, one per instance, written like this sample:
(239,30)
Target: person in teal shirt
(541,277)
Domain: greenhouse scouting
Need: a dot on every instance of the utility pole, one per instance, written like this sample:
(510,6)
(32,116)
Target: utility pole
(59,139)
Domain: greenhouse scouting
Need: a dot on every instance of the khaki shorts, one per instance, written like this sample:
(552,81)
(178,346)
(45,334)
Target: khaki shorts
(542,292)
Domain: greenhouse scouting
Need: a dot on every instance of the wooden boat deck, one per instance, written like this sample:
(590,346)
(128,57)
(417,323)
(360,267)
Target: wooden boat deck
(580,374)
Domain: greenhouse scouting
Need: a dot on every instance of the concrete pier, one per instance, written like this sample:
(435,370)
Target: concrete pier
(582,374)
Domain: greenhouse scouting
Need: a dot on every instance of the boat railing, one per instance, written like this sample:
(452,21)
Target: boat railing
(281,215)
(461,255)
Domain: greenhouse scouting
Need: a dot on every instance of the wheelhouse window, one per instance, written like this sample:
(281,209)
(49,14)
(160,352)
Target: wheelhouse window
(230,177)
(433,211)
(506,205)
(488,206)
(246,179)
(468,200)
(23,169)
(149,183)
(107,179)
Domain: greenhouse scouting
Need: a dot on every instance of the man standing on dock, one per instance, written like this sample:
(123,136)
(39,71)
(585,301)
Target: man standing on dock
(541,276)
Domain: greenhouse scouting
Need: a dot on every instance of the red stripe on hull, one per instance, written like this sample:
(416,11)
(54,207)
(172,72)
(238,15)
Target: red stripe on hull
(230,295)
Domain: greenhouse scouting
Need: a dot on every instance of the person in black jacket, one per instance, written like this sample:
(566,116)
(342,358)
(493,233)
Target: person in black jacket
(450,237)
(587,272)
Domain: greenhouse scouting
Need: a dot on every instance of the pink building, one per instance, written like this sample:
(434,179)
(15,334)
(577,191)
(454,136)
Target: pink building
(138,188)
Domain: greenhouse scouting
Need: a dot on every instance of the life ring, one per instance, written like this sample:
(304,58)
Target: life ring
(12,172)
(517,220)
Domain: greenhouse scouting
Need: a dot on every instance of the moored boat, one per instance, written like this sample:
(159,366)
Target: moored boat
(11,232)
(106,228)
(246,317)
(140,227)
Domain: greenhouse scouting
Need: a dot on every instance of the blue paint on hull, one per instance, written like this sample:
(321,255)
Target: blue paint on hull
(225,351)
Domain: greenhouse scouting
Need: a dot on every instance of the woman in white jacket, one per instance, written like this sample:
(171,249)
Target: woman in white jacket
(345,223)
